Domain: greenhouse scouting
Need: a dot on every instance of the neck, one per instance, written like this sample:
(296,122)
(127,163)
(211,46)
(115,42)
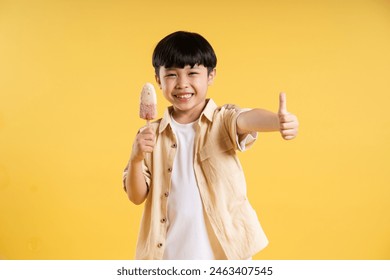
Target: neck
(184,117)
(188,116)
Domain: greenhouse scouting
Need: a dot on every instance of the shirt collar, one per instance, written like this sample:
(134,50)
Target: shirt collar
(208,112)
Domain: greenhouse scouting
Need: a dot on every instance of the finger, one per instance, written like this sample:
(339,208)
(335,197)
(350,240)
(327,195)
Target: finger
(288,118)
(290,137)
(144,139)
(146,147)
(288,125)
(147,130)
(231,106)
(289,132)
(147,137)
(146,134)
(147,142)
(282,104)
(148,150)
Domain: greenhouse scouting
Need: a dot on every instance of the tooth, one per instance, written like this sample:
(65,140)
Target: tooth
(185,96)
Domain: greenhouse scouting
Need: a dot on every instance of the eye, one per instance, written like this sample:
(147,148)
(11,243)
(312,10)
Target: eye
(193,73)
(170,75)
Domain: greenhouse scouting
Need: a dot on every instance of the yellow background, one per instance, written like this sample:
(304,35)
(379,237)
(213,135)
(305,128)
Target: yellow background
(70,77)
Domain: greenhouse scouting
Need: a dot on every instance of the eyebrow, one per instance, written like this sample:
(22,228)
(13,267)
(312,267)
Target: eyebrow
(196,66)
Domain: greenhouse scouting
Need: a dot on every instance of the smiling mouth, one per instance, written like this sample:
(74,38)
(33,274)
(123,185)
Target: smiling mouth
(184,96)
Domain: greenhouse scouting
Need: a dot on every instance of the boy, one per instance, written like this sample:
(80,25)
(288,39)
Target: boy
(185,165)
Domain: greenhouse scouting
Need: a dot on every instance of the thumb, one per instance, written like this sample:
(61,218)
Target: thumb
(282,104)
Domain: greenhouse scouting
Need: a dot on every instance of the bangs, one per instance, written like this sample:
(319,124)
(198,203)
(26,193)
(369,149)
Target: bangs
(181,49)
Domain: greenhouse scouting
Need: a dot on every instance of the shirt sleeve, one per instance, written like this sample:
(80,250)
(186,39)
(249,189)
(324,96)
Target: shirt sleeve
(245,141)
(145,172)
(241,142)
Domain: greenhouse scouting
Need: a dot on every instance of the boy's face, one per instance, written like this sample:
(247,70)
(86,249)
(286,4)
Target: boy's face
(185,88)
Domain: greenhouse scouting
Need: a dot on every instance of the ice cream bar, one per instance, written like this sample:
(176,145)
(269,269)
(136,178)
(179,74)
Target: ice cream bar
(148,103)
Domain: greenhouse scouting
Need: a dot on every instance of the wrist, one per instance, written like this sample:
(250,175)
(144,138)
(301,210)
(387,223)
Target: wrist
(136,159)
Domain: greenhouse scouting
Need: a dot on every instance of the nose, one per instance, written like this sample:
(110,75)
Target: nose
(181,82)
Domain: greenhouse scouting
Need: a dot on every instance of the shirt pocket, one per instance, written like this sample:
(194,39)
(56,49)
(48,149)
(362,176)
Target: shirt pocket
(222,169)
(215,148)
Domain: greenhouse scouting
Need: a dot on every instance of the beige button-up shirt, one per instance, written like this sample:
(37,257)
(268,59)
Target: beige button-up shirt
(220,179)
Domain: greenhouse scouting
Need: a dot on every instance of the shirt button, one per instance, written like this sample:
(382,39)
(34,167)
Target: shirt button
(174,145)
(159,245)
(169,169)
(163,220)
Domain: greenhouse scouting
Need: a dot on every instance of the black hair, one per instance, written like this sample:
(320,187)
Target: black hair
(183,48)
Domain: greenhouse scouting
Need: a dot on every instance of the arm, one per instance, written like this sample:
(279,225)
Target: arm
(257,120)
(135,183)
(262,120)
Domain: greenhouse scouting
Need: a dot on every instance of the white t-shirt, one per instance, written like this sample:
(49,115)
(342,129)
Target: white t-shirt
(189,236)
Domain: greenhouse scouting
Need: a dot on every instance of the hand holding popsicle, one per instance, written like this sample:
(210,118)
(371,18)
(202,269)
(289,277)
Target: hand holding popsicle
(288,122)
(148,103)
(144,141)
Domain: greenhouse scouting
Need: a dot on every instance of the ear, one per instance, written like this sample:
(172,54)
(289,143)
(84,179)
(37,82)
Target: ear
(158,81)
(211,77)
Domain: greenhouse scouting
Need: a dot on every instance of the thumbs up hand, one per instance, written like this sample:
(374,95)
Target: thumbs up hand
(288,122)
